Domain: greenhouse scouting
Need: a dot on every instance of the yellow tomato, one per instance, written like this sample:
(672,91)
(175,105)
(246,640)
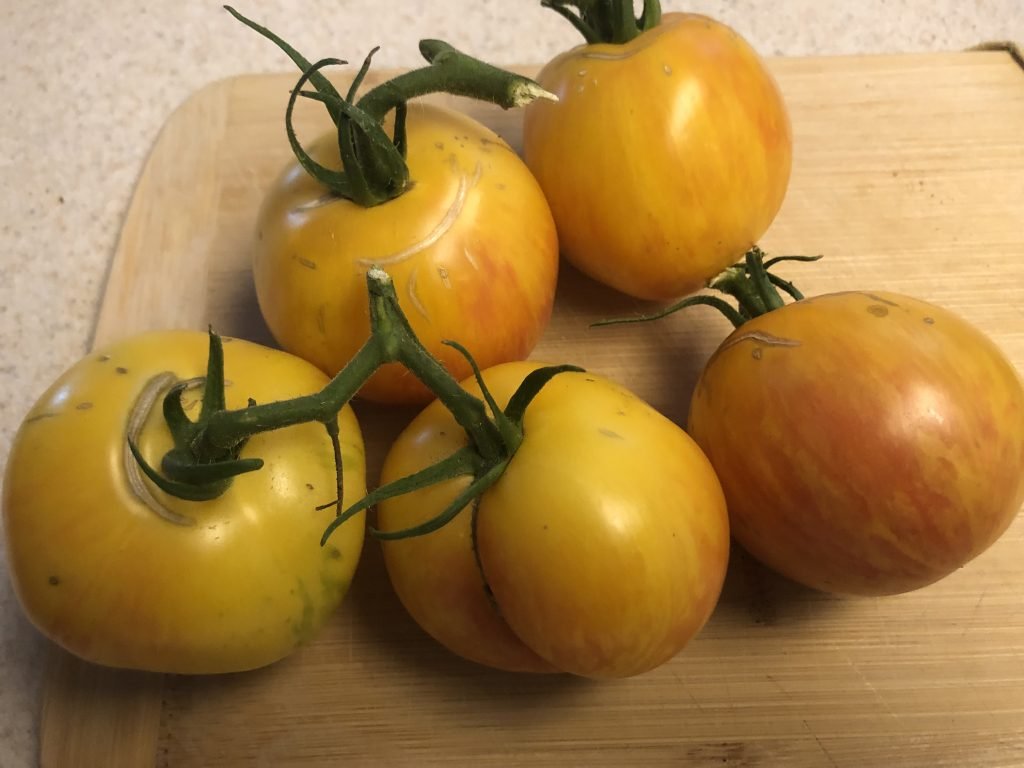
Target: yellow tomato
(601,551)
(664,159)
(471,248)
(138,579)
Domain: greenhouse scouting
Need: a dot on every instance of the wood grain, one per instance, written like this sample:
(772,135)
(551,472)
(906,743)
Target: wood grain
(909,176)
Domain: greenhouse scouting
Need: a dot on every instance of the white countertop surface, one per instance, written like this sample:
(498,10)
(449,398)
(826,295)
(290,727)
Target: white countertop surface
(87,85)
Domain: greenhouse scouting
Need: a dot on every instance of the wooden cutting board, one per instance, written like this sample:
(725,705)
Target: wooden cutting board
(909,175)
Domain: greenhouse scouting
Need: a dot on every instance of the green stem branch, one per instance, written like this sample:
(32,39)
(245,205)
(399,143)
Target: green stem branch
(759,277)
(391,341)
(454,72)
(205,457)
(607,21)
(750,283)
(374,167)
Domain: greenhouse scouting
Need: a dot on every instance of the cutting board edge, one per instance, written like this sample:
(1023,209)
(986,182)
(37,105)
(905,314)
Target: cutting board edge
(61,667)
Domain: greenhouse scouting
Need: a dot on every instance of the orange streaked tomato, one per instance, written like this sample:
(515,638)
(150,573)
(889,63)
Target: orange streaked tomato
(665,158)
(867,442)
(471,248)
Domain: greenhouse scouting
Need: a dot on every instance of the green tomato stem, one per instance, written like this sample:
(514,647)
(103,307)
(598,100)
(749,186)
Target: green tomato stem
(749,282)
(205,457)
(322,84)
(650,17)
(759,277)
(607,21)
(481,482)
(334,433)
(624,26)
(374,167)
(734,281)
(451,71)
(511,431)
(391,341)
(465,461)
(736,318)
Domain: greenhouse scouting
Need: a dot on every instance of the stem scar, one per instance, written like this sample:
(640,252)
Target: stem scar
(151,392)
(442,228)
(881,300)
(761,337)
(414,296)
(40,416)
(609,56)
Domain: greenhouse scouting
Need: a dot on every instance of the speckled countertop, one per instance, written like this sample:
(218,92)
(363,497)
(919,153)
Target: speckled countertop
(86,86)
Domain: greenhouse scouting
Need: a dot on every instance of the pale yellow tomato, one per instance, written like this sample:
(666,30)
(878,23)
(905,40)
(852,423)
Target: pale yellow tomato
(600,551)
(138,579)
(471,247)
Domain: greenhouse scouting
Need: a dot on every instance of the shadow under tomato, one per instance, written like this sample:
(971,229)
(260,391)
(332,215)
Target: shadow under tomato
(380,425)
(237,312)
(388,626)
(372,662)
(659,361)
(753,594)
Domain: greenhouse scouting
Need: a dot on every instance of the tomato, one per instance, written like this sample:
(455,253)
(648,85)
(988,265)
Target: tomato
(664,159)
(868,443)
(600,551)
(471,247)
(213,586)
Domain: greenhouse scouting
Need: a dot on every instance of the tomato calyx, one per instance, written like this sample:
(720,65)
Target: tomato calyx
(206,453)
(750,283)
(467,461)
(187,472)
(374,169)
(607,21)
